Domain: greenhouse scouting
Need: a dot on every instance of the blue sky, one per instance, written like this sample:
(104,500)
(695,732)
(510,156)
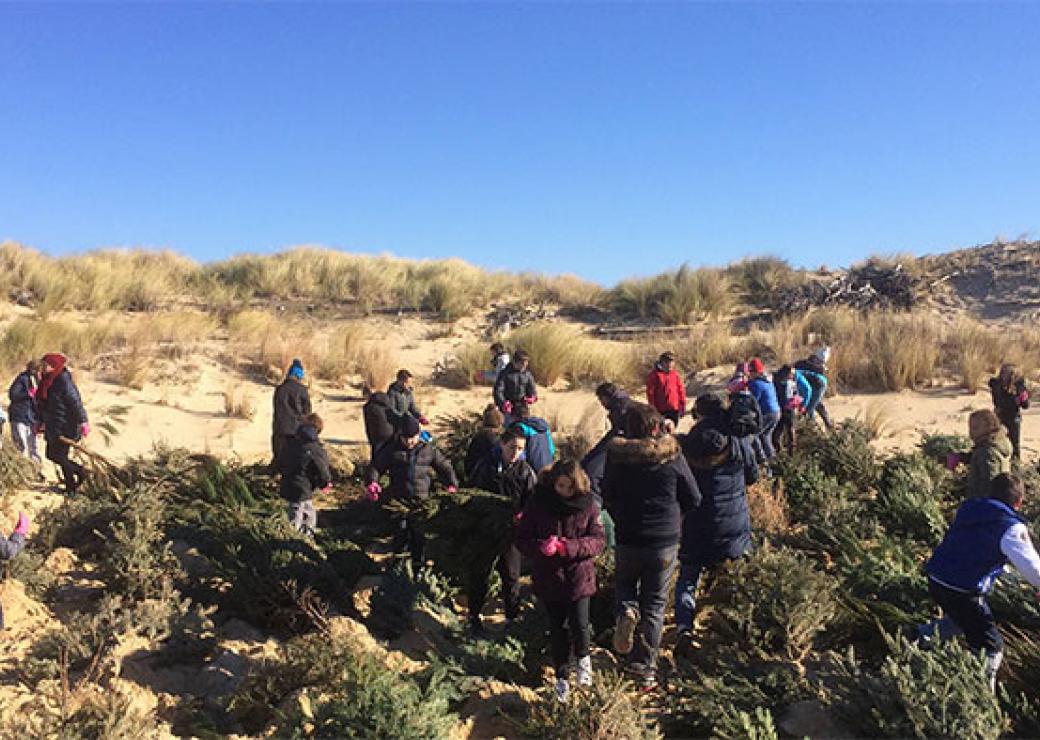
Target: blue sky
(601,139)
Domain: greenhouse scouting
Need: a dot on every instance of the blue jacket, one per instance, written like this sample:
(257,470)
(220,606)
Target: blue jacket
(969,558)
(540,451)
(63,410)
(765,393)
(23,406)
(723,465)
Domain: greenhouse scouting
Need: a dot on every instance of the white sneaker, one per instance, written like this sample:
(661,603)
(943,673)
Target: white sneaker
(563,690)
(585,671)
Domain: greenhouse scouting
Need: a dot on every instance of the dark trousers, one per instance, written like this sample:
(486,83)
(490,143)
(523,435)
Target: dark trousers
(971,614)
(1014,430)
(411,538)
(508,566)
(641,579)
(72,472)
(783,433)
(568,628)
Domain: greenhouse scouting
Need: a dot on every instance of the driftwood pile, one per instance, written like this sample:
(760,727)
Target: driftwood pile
(871,286)
(505,317)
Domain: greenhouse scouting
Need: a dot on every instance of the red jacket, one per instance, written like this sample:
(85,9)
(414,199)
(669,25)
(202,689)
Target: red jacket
(665,391)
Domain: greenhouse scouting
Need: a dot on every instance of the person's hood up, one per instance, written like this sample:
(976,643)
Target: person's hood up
(649,451)
(708,446)
(539,426)
(56,361)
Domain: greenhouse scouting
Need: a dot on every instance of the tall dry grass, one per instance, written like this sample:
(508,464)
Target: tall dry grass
(680,297)
(562,352)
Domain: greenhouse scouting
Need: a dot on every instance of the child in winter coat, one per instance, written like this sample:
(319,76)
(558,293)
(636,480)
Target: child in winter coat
(502,471)
(560,531)
(11,546)
(814,368)
(989,457)
(305,469)
(761,387)
(986,535)
(720,528)
(499,362)
(484,443)
(414,466)
(791,389)
(515,384)
(25,414)
(1010,398)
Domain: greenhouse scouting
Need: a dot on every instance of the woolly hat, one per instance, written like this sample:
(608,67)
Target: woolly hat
(409,427)
(709,404)
(981,424)
(296,370)
(823,354)
(756,365)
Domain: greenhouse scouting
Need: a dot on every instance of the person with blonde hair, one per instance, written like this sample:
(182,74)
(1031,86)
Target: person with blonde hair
(1010,398)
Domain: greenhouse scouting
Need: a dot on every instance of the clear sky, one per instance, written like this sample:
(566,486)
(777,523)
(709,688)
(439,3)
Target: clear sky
(601,139)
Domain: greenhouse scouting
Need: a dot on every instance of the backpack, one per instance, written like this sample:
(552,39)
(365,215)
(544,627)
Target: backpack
(743,416)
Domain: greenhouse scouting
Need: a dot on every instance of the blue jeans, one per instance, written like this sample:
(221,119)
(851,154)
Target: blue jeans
(819,390)
(967,614)
(641,579)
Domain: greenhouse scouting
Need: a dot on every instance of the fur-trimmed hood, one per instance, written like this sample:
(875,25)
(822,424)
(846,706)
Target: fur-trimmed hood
(651,451)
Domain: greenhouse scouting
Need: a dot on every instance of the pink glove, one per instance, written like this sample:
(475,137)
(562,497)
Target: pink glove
(84,429)
(530,400)
(22,527)
(549,546)
(561,547)
(1023,397)
(952,461)
(424,421)
(327,488)
(374,489)
(507,407)
(517,517)
(452,489)
(32,393)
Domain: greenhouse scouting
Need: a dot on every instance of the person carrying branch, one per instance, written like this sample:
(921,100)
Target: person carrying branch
(64,418)
(413,466)
(986,536)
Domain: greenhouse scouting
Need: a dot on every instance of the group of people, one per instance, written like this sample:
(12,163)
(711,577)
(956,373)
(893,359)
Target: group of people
(664,501)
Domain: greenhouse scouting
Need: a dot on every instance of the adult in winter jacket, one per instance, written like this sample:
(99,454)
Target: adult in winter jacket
(761,388)
(515,385)
(11,546)
(502,471)
(402,400)
(665,390)
(292,403)
(986,535)
(485,442)
(305,469)
(647,487)
(616,402)
(561,532)
(413,466)
(1010,398)
(541,450)
(23,412)
(381,421)
(814,368)
(720,528)
(63,417)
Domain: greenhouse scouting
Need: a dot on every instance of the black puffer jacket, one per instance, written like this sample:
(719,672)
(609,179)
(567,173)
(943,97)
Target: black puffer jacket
(402,400)
(517,481)
(305,466)
(380,420)
(647,487)
(412,472)
(63,411)
(724,465)
(514,385)
(292,402)
(481,450)
(1005,400)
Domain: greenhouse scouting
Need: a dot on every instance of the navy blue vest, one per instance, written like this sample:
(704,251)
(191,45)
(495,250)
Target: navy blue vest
(969,558)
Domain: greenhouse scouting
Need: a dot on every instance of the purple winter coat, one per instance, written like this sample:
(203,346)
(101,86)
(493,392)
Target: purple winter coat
(562,578)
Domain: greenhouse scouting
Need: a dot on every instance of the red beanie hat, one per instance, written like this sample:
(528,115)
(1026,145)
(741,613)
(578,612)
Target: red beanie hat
(757,366)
